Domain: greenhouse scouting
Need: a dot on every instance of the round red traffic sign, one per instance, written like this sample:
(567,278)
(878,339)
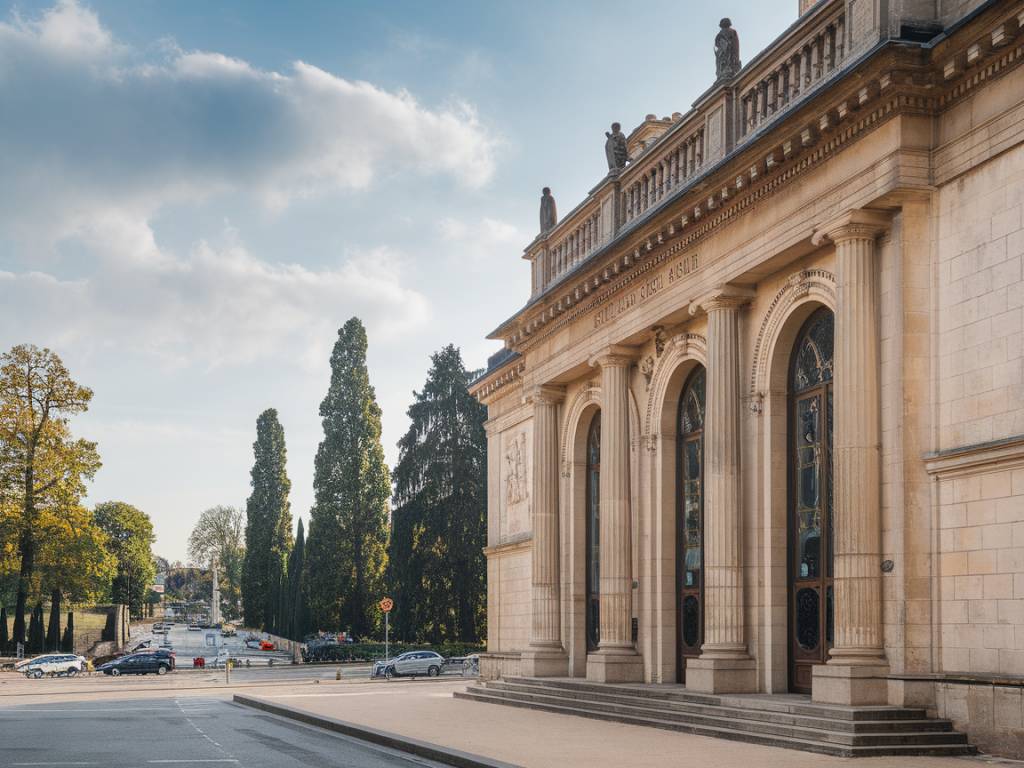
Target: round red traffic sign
(387,604)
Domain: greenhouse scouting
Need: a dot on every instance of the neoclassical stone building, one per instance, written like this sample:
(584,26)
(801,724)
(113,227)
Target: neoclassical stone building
(760,425)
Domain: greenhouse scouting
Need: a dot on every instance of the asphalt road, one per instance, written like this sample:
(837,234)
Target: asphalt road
(192,731)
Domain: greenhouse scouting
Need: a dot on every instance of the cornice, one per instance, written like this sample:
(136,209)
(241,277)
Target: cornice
(894,78)
(500,381)
(970,459)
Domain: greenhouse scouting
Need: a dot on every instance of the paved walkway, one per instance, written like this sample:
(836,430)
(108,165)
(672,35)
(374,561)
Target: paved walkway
(425,710)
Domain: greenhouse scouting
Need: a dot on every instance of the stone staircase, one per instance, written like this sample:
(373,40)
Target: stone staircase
(788,721)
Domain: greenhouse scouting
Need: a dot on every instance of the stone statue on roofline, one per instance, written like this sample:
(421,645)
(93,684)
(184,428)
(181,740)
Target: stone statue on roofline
(548,211)
(727,51)
(615,148)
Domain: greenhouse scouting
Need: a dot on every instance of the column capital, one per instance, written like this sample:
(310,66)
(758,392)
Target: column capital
(546,394)
(614,356)
(859,223)
(722,297)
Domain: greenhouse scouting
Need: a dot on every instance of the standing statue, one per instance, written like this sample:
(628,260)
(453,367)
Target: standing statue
(727,51)
(615,148)
(548,211)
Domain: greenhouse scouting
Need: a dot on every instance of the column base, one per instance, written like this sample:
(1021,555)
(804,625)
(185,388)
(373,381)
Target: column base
(721,675)
(614,665)
(851,685)
(544,662)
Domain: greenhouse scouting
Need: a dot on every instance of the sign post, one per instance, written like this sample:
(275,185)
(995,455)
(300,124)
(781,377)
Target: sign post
(386,605)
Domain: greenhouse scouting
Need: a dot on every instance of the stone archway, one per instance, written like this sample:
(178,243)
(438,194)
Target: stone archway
(658,589)
(572,453)
(802,294)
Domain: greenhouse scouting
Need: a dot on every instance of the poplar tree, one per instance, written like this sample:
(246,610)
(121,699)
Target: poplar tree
(268,526)
(348,522)
(437,569)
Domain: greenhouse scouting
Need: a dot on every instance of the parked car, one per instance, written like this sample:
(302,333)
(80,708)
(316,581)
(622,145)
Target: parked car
(51,664)
(228,631)
(410,664)
(160,662)
(266,645)
(194,628)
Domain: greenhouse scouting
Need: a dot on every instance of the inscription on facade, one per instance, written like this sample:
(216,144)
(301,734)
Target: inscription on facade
(677,270)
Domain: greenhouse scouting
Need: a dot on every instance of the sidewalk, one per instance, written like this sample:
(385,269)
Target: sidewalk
(424,710)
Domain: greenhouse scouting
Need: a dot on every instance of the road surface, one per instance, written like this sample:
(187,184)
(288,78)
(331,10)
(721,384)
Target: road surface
(187,731)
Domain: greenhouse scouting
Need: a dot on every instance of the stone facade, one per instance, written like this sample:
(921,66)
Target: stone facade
(843,171)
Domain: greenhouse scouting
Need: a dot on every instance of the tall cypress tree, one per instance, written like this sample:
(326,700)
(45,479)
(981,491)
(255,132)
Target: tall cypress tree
(68,642)
(348,523)
(437,568)
(268,527)
(36,638)
(53,629)
(4,637)
(295,602)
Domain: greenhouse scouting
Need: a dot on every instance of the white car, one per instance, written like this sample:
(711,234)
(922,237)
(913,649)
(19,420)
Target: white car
(52,664)
(412,664)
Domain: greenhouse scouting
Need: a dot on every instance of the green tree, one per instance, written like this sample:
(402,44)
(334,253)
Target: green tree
(36,638)
(43,469)
(130,540)
(297,610)
(436,564)
(268,526)
(348,522)
(219,535)
(74,561)
(53,628)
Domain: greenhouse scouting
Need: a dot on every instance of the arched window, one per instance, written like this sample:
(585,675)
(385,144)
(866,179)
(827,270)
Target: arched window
(594,533)
(810,498)
(690,520)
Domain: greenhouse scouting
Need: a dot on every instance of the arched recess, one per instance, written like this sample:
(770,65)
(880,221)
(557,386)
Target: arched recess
(803,293)
(572,524)
(683,353)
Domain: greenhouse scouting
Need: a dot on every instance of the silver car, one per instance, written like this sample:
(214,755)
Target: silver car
(415,663)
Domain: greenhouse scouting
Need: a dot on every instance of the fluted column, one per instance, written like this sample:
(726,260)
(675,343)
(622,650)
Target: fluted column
(545,655)
(615,528)
(545,630)
(616,659)
(724,665)
(723,555)
(856,524)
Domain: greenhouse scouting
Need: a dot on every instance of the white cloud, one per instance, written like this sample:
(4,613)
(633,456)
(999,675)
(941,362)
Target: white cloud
(90,124)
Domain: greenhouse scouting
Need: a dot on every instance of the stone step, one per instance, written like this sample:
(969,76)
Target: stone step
(480,694)
(728,720)
(611,696)
(747,701)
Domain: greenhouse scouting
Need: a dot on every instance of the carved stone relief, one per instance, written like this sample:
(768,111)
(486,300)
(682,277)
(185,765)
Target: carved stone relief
(515,483)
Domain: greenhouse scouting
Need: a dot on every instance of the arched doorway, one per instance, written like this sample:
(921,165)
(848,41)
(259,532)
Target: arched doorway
(690,520)
(810,499)
(593,553)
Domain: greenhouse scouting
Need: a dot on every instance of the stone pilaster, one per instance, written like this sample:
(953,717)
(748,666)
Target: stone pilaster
(724,665)
(545,656)
(616,659)
(855,673)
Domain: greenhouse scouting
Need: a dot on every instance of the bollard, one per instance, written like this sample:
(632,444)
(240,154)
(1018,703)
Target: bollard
(227,671)
(337,675)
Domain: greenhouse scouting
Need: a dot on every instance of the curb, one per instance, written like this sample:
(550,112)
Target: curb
(445,755)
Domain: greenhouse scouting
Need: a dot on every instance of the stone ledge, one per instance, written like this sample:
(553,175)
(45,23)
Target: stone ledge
(1008,452)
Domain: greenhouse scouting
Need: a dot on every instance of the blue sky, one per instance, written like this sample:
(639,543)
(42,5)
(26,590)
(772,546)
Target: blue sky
(194,196)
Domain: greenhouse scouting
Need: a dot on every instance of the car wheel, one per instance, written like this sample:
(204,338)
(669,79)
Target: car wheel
(389,673)
(30,674)
(37,674)
(115,672)
(433,671)
(161,670)
(72,672)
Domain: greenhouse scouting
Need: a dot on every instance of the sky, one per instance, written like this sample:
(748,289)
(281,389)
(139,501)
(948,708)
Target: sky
(195,195)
